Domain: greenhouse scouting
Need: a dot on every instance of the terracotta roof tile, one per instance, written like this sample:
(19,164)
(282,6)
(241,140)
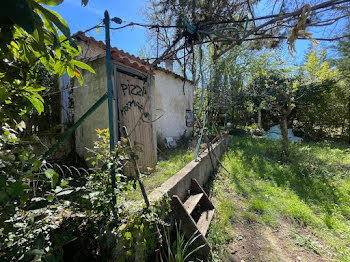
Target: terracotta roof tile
(125,57)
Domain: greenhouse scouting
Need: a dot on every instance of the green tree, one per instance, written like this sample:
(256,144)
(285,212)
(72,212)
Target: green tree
(275,91)
(321,110)
(35,46)
(343,65)
(29,42)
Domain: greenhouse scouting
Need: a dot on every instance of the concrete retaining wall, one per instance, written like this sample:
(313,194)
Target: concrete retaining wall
(180,183)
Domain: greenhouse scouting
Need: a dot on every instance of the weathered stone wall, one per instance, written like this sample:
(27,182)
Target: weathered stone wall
(94,87)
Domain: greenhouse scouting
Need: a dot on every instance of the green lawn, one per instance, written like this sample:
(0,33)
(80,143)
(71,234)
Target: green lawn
(177,159)
(293,210)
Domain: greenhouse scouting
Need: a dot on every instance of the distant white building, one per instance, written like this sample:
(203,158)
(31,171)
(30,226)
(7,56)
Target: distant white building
(160,104)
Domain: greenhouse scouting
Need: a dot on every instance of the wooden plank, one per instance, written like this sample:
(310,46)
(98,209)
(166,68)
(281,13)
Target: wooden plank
(196,189)
(134,108)
(192,202)
(189,226)
(204,221)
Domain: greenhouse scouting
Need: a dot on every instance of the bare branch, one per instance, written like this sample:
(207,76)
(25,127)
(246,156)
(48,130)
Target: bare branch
(282,17)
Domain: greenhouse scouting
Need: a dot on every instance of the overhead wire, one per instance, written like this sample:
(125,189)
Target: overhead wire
(191,33)
(62,90)
(194,33)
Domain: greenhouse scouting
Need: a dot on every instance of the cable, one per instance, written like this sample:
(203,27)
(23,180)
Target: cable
(64,89)
(145,25)
(245,19)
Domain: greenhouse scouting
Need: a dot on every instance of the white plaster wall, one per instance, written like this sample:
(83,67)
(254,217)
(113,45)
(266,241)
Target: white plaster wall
(170,105)
(154,127)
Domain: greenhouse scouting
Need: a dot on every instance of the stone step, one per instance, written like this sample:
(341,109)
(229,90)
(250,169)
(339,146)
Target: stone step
(204,221)
(192,202)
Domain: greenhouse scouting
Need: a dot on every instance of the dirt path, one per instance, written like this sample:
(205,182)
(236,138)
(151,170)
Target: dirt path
(256,242)
(259,243)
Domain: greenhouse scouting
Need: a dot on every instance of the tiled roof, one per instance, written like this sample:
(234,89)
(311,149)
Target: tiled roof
(124,57)
(116,54)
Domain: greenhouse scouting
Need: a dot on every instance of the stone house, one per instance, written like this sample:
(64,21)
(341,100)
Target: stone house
(151,104)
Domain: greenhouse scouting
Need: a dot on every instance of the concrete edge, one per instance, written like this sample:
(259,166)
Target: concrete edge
(180,183)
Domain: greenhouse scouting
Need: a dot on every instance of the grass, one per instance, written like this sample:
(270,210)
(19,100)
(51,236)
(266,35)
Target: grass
(311,191)
(177,159)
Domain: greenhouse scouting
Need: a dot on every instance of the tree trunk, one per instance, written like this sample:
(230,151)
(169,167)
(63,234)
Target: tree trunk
(259,118)
(284,131)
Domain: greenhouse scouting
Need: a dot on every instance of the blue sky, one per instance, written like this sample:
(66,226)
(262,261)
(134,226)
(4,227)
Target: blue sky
(81,18)
(131,39)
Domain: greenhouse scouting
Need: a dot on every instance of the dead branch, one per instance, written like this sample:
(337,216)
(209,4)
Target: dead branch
(278,18)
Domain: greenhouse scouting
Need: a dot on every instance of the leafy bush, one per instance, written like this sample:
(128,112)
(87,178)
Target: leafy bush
(31,198)
(45,216)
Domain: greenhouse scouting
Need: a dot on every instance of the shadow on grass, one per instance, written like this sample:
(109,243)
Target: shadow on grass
(177,159)
(305,173)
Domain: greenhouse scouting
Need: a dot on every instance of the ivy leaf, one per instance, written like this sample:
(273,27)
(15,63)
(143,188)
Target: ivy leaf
(21,126)
(65,192)
(84,66)
(52,175)
(54,18)
(127,235)
(35,88)
(56,43)
(70,72)
(36,102)
(38,35)
(58,189)
(15,49)
(50,198)
(3,94)
(64,183)
(37,199)
(73,43)
(45,60)
(60,68)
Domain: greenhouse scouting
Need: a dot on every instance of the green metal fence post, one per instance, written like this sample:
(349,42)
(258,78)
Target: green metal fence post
(110,100)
